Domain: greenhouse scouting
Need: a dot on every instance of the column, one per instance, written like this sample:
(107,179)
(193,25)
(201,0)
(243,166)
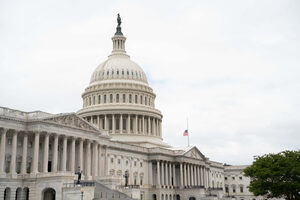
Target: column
(80,157)
(88,164)
(55,153)
(24,154)
(113,121)
(136,124)
(99,160)
(105,123)
(143,121)
(174,175)
(185,175)
(181,176)
(46,153)
(160,129)
(158,174)
(167,174)
(128,124)
(193,174)
(204,177)
(95,159)
(153,127)
(162,174)
(208,178)
(188,175)
(98,121)
(72,157)
(150,173)
(170,175)
(121,124)
(199,178)
(35,161)
(64,154)
(2,150)
(149,126)
(13,153)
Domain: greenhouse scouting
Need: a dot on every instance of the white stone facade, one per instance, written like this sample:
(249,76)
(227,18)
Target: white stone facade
(117,131)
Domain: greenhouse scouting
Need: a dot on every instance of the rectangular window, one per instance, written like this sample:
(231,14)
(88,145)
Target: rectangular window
(233,190)
(241,178)
(124,124)
(241,189)
(226,190)
(141,100)
(90,100)
(130,98)
(104,98)
(135,98)
(117,124)
(99,99)
(145,100)
(110,124)
(225,178)
(94,100)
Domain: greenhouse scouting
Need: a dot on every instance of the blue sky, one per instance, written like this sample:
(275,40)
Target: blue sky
(231,67)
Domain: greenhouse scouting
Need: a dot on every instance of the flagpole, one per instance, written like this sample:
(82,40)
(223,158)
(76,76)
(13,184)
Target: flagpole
(187,126)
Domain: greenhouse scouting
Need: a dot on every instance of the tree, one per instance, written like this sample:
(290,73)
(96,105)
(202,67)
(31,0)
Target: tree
(276,175)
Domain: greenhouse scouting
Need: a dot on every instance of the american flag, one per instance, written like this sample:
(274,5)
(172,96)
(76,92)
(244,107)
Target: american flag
(185,133)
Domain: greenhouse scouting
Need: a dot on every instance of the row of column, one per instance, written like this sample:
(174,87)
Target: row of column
(190,175)
(67,159)
(136,124)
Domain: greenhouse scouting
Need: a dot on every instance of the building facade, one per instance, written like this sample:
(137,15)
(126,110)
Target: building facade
(116,134)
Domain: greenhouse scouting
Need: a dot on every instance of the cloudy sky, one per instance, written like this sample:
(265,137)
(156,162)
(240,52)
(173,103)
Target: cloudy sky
(231,67)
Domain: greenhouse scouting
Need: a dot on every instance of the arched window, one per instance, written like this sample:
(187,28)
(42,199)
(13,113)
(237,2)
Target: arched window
(117,98)
(124,98)
(110,98)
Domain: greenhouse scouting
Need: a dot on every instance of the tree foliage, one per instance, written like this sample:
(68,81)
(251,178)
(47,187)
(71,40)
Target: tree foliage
(276,175)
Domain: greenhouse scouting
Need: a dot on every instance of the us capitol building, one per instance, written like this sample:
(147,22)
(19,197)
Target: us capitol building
(114,144)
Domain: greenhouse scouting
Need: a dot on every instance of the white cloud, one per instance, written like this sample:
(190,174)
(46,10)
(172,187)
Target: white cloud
(232,67)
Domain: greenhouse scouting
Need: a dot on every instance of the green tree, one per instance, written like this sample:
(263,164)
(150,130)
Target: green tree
(276,175)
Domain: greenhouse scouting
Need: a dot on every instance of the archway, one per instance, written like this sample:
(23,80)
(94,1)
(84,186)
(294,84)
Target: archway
(177,197)
(7,194)
(192,198)
(154,197)
(19,193)
(49,194)
(26,193)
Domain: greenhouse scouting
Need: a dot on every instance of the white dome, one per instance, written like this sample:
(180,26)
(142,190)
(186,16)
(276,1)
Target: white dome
(118,67)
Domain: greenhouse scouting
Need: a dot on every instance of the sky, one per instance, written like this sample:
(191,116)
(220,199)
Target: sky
(232,68)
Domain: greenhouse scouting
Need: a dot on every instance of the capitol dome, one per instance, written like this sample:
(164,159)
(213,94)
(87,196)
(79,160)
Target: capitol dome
(119,100)
(118,67)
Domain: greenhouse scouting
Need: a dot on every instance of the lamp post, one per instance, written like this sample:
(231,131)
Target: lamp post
(82,190)
(126,175)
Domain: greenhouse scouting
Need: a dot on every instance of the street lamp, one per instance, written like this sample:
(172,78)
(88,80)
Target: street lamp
(82,190)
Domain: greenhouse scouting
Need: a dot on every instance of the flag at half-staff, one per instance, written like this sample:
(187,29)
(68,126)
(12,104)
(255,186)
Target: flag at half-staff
(186,133)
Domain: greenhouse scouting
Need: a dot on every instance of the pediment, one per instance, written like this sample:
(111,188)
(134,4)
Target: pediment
(71,120)
(194,152)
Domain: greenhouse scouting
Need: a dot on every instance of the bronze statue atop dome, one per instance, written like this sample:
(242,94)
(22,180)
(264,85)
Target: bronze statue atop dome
(119,20)
(119,32)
